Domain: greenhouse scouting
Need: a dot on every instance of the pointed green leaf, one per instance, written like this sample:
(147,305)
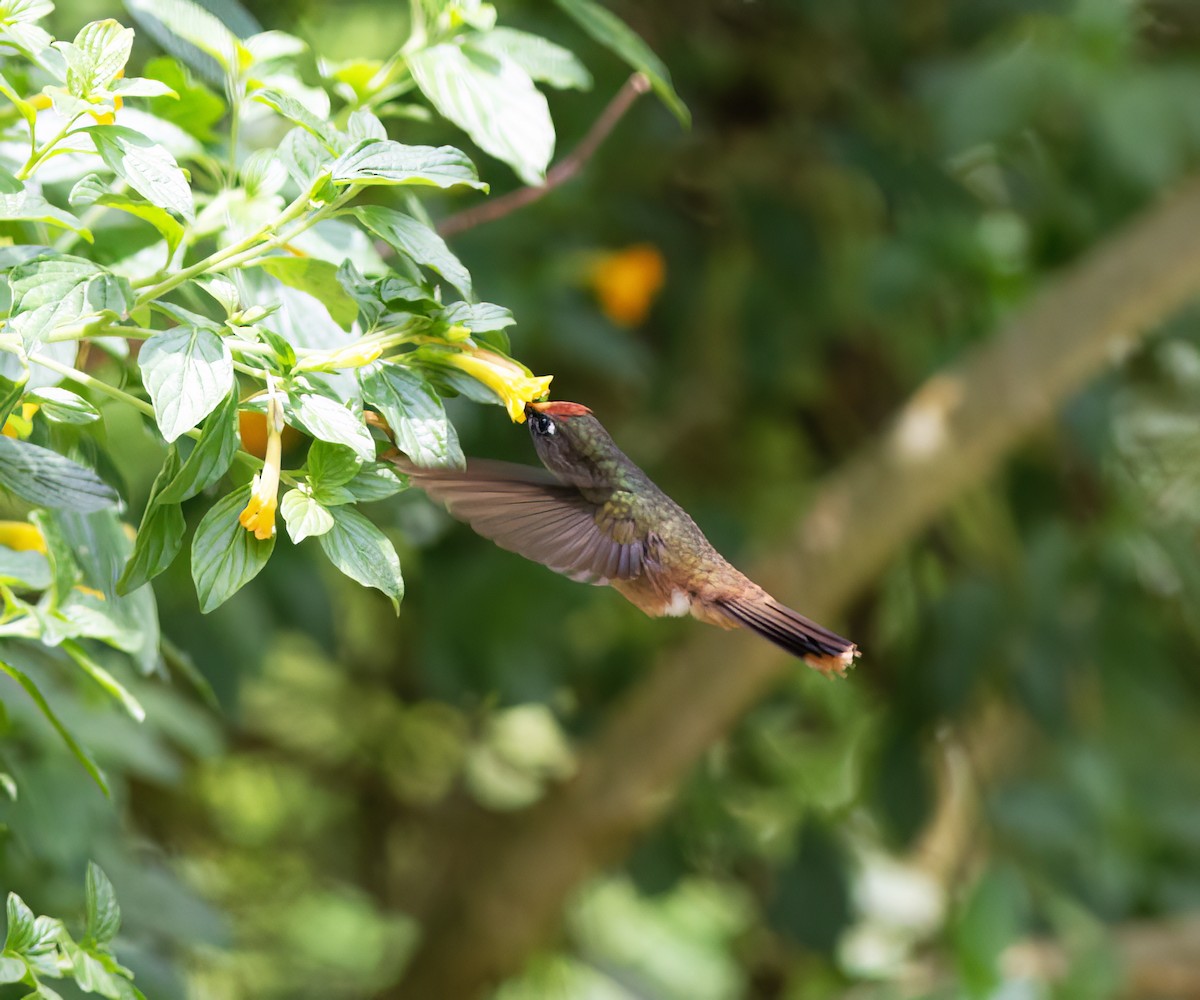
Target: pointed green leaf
(298,114)
(414,412)
(225,556)
(145,166)
(540,58)
(417,241)
(615,35)
(329,420)
(56,291)
(63,406)
(305,516)
(159,536)
(188,371)
(331,464)
(375,161)
(47,479)
(211,456)
(30,206)
(93,190)
(319,279)
(375,481)
(361,551)
(493,100)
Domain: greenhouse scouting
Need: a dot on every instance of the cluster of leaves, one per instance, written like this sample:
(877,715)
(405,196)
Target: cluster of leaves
(219,232)
(38,948)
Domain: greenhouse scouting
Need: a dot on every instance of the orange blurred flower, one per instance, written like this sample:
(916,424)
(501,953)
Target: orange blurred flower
(252,426)
(627,282)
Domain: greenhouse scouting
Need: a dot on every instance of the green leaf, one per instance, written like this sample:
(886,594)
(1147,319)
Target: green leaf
(375,481)
(100,51)
(80,754)
(9,785)
(55,291)
(305,516)
(63,406)
(615,35)
(319,279)
(225,556)
(414,412)
(493,100)
(93,190)
(30,206)
(298,114)
(304,157)
(195,26)
(104,679)
(12,969)
(47,479)
(478,317)
(188,372)
(145,166)
(331,464)
(361,551)
(373,161)
(196,109)
(540,58)
(160,535)
(24,108)
(212,455)
(26,570)
(417,241)
(129,622)
(11,392)
(64,573)
(329,420)
(21,924)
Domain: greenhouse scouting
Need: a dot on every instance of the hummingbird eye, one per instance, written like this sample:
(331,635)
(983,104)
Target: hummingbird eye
(543,424)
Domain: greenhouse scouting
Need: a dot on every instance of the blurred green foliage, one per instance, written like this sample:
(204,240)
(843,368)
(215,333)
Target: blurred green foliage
(868,189)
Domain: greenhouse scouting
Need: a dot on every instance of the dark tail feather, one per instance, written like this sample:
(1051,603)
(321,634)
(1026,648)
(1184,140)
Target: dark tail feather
(820,648)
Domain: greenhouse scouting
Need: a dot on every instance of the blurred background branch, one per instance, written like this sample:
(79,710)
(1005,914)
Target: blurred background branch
(500,890)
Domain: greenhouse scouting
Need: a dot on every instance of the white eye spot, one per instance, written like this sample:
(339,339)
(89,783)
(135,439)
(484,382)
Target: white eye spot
(550,428)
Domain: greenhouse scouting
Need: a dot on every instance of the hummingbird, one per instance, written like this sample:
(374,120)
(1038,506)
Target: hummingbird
(594,516)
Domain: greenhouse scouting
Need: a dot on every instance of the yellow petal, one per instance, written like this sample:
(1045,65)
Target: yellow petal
(22,536)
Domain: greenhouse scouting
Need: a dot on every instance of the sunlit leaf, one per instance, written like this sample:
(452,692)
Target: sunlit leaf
(375,161)
(188,371)
(225,556)
(417,241)
(361,551)
(493,100)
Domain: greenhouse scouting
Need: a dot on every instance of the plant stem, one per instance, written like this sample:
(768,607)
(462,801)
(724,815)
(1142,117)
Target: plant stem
(37,155)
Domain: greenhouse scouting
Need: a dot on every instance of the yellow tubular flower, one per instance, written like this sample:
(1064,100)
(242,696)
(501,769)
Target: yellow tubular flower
(259,514)
(19,425)
(510,381)
(21,536)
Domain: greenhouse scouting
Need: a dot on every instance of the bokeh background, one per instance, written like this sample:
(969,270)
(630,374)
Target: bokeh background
(1002,800)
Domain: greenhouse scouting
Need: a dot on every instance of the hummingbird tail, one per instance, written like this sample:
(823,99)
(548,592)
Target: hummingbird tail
(817,646)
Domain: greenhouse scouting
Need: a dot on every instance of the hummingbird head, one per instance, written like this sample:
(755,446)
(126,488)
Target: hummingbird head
(571,442)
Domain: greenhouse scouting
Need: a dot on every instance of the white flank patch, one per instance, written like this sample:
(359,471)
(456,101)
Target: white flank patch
(679,605)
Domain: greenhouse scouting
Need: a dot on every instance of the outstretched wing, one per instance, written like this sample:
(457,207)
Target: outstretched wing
(527,511)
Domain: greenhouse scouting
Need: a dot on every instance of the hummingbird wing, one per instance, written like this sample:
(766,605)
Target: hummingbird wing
(528,511)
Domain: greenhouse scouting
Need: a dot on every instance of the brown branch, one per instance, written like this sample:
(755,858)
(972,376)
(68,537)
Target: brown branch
(557,175)
(499,896)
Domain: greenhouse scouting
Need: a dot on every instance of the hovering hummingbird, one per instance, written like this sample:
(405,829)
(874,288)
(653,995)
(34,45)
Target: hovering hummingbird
(597,518)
